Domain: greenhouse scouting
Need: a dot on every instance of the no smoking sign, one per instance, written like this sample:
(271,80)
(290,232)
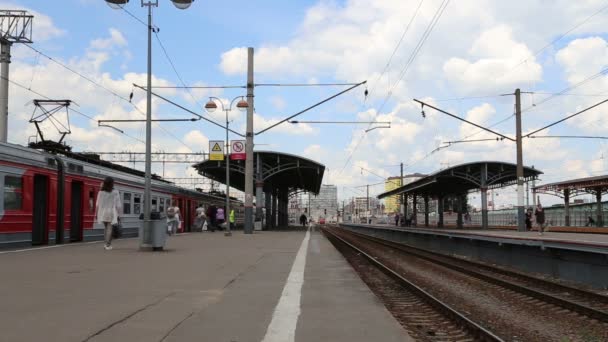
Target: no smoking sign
(238,150)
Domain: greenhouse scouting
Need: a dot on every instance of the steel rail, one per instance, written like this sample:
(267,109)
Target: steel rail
(580,308)
(478,331)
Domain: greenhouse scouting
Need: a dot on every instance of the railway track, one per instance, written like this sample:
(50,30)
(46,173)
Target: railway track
(424,316)
(587,303)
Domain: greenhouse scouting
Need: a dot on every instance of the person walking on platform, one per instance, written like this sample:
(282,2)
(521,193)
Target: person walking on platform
(173,219)
(540,218)
(231,219)
(529,219)
(220,216)
(303,220)
(107,209)
(397,219)
(199,220)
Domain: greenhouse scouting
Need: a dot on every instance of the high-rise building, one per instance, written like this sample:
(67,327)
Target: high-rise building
(325,204)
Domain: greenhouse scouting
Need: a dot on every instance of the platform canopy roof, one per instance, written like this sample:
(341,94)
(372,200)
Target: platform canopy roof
(278,170)
(464,178)
(576,187)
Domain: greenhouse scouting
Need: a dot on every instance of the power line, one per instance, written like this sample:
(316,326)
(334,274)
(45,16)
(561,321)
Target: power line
(560,37)
(103,87)
(407,28)
(567,118)
(568,137)
(72,109)
(411,59)
(302,84)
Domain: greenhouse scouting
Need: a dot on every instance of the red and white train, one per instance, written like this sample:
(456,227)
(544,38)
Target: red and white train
(43,191)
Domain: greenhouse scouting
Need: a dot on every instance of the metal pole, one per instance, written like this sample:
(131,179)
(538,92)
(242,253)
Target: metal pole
(5,60)
(249,147)
(227,213)
(367,203)
(148,176)
(520,165)
(401,196)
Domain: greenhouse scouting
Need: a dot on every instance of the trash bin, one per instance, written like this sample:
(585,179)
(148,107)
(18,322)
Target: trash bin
(155,235)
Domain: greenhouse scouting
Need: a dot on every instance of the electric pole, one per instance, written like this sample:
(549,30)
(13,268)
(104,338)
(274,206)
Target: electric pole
(520,165)
(249,147)
(367,203)
(401,196)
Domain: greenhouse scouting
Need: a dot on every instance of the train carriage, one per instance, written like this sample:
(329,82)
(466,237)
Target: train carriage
(42,191)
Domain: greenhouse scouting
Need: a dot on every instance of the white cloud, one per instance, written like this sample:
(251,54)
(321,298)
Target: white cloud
(497,54)
(116,39)
(43,27)
(583,57)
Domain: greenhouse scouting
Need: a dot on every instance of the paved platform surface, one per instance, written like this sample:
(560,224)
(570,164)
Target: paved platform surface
(582,241)
(204,287)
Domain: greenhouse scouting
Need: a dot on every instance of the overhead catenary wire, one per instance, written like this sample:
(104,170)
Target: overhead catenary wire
(567,118)
(405,31)
(102,87)
(410,61)
(71,109)
(560,37)
(568,137)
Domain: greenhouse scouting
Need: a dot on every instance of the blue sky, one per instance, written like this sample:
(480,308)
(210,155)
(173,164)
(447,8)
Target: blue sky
(477,48)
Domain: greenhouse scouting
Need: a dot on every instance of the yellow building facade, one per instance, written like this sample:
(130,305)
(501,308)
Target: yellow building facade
(392,202)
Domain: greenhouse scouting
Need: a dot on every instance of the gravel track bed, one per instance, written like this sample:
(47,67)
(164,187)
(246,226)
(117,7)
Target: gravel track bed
(513,316)
(419,319)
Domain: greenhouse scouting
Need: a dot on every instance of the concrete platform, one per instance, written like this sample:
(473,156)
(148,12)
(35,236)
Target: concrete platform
(577,257)
(596,243)
(204,287)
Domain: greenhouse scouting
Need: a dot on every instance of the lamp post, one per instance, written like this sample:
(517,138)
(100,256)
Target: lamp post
(119,4)
(211,106)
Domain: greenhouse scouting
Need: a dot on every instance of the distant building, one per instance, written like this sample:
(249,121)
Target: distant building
(392,202)
(325,204)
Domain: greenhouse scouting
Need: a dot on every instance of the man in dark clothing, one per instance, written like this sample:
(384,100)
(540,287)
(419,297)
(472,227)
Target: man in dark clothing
(540,218)
(211,211)
(303,220)
(529,219)
(397,219)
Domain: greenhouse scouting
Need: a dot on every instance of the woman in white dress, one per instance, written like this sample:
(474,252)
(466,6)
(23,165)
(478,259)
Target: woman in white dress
(108,208)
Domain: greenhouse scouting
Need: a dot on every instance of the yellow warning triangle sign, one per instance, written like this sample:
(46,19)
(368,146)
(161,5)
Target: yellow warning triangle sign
(216,148)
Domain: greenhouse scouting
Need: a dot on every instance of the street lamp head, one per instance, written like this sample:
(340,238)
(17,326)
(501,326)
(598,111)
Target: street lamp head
(182,4)
(210,106)
(117,4)
(242,105)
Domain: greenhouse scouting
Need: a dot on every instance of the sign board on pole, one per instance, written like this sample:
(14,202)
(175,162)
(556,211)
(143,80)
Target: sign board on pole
(216,150)
(238,150)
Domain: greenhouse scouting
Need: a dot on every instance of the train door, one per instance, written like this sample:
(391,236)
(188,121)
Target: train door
(40,231)
(76,212)
(188,216)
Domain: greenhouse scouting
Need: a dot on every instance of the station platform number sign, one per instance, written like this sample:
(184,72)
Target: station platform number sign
(216,150)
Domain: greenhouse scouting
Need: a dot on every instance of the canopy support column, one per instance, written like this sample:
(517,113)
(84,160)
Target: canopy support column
(405,215)
(484,196)
(268,200)
(440,211)
(567,206)
(598,197)
(426,210)
(275,193)
(414,210)
(459,206)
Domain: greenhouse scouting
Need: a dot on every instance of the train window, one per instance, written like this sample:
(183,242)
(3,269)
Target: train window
(161,206)
(154,203)
(136,204)
(13,187)
(126,204)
